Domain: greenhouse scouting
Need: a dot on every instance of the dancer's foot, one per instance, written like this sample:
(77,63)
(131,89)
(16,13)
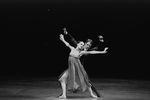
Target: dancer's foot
(62,97)
(94,96)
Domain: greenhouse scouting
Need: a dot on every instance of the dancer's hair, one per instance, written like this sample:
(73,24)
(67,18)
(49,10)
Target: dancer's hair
(89,40)
(79,42)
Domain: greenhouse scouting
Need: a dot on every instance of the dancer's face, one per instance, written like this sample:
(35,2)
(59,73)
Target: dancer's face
(80,45)
(87,45)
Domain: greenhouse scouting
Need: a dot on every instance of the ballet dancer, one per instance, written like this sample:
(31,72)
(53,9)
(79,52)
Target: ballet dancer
(86,47)
(75,77)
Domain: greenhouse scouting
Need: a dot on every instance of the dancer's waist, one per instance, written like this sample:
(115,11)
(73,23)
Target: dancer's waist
(78,57)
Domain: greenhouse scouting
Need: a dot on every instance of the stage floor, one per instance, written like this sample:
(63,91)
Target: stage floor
(49,89)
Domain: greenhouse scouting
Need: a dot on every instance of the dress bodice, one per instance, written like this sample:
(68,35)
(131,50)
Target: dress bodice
(75,53)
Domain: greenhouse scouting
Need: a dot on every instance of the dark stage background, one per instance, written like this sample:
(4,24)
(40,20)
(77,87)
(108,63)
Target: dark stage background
(30,45)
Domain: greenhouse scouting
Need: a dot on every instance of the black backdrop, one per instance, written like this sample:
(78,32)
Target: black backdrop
(30,44)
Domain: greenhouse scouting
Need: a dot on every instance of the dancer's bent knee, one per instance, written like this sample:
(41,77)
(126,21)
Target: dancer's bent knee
(64,77)
(62,81)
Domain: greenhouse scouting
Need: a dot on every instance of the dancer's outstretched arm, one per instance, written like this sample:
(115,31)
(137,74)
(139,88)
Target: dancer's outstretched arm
(66,43)
(94,52)
(71,38)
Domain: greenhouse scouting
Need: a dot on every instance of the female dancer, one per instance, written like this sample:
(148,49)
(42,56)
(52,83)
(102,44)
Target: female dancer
(75,76)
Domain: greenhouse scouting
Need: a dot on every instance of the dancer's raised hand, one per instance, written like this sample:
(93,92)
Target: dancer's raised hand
(61,37)
(65,31)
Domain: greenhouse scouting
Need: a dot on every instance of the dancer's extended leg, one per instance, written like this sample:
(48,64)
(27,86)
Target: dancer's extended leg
(93,88)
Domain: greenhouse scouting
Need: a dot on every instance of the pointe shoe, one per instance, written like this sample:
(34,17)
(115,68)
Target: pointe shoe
(62,97)
(94,96)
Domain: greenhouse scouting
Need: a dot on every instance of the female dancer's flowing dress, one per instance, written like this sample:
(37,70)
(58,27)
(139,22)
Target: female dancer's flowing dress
(75,76)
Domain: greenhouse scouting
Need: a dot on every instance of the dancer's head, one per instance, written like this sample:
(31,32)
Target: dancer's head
(80,44)
(101,38)
(88,44)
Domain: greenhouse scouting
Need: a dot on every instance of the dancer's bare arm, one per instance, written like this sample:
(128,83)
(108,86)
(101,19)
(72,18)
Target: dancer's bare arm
(66,43)
(94,52)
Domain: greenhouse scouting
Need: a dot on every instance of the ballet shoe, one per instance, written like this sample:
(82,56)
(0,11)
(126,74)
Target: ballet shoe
(62,97)
(94,96)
